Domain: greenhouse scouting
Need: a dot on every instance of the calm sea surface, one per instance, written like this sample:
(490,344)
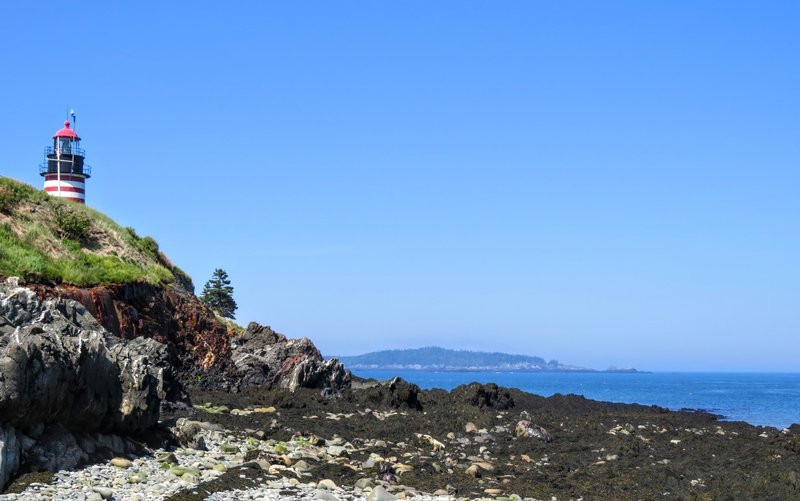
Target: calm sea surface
(767,399)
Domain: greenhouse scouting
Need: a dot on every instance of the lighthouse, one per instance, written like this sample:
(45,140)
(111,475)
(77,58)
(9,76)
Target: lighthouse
(63,169)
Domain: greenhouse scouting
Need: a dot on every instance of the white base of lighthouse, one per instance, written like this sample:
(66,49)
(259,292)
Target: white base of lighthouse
(69,186)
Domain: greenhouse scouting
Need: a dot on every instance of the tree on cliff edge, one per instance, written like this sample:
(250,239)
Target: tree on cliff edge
(218,294)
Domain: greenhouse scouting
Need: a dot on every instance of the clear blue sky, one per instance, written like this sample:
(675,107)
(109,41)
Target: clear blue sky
(597,182)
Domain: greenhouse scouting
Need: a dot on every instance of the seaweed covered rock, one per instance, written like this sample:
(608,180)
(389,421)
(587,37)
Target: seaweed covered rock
(484,395)
(396,393)
(267,359)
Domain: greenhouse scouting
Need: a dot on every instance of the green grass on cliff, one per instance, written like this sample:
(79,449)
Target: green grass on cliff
(47,240)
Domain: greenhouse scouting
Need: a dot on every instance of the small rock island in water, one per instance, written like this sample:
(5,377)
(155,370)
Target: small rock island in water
(116,382)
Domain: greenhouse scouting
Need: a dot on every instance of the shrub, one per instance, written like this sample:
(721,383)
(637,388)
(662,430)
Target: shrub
(70,222)
(147,245)
(150,246)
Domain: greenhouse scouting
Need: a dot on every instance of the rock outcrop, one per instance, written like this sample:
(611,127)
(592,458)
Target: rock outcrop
(265,358)
(63,375)
(198,345)
(201,350)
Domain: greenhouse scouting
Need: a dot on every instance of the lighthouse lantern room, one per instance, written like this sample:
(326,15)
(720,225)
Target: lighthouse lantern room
(63,169)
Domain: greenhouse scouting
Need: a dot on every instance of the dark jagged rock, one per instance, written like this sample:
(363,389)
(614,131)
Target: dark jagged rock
(62,373)
(267,359)
(484,395)
(259,335)
(396,393)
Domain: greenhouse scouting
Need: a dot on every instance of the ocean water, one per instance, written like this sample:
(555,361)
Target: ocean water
(766,399)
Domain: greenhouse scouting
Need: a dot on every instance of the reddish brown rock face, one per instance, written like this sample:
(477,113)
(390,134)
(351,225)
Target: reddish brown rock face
(197,341)
(201,349)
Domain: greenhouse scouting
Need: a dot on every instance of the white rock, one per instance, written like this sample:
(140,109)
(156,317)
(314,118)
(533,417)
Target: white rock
(379,494)
(326,484)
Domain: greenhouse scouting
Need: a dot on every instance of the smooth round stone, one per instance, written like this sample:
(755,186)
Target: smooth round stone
(103,492)
(326,484)
(364,483)
(378,493)
(121,462)
(325,496)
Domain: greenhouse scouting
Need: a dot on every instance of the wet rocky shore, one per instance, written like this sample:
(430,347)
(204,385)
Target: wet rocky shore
(484,441)
(383,441)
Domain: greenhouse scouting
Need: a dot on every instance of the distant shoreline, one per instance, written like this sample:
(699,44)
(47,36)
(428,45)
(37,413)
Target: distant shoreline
(436,358)
(492,369)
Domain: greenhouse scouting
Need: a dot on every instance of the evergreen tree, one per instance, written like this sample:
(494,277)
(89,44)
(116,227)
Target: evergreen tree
(218,294)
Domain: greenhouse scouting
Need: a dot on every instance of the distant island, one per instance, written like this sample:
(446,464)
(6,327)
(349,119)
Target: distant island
(443,359)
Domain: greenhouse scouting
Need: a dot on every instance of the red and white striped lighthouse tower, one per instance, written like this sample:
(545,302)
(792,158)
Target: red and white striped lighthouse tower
(63,169)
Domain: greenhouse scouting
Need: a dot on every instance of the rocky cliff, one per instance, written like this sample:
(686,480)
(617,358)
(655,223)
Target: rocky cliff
(202,351)
(198,345)
(68,387)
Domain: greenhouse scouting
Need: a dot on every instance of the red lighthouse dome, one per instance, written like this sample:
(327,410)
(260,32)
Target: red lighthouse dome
(67,132)
(63,168)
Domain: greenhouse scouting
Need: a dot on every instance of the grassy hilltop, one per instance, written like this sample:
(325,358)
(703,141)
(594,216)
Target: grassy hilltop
(44,239)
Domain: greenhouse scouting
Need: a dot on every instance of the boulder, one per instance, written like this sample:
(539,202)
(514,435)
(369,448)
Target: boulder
(188,433)
(526,429)
(56,450)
